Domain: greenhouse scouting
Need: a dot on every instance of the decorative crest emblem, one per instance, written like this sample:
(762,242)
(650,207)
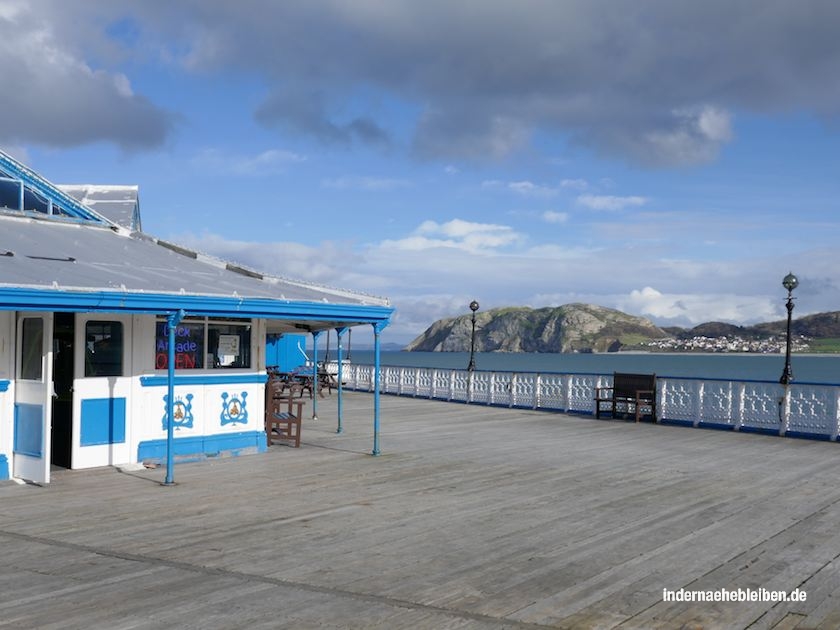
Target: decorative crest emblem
(234,408)
(181,412)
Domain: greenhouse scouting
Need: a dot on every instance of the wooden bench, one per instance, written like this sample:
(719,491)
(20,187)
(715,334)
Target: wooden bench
(629,394)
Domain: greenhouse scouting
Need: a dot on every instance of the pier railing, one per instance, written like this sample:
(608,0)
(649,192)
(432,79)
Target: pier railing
(799,409)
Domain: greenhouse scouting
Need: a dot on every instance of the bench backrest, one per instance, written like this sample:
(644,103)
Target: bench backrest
(626,385)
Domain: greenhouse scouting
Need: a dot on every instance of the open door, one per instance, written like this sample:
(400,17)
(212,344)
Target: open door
(33,397)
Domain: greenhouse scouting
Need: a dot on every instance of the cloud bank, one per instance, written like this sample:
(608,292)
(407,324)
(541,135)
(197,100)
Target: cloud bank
(657,83)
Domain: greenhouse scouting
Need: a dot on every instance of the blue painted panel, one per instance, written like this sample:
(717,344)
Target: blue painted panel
(283,351)
(102,421)
(4,385)
(29,429)
(205,379)
(4,467)
(203,446)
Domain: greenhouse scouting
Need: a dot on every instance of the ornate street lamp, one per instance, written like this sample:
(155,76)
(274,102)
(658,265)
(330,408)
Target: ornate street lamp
(790,283)
(473,308)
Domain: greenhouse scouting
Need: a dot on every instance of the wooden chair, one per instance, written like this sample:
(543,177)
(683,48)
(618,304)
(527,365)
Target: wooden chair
(283,414)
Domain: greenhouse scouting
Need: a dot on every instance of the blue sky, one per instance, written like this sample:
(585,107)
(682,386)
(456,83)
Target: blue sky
(672,160)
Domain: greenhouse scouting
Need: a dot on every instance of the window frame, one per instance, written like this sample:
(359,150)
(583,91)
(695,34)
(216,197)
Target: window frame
(203,353)
(91,352)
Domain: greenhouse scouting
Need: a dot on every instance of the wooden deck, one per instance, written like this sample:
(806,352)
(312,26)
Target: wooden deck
(473,517)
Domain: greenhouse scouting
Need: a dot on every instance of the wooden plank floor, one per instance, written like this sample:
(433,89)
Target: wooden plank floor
(473,517)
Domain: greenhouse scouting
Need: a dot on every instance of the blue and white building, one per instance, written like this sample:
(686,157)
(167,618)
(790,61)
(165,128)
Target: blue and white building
(117,347)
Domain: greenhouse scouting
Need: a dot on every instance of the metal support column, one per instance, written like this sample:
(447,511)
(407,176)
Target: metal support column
(377,329)
(315,336)
(339,333)
(172,322)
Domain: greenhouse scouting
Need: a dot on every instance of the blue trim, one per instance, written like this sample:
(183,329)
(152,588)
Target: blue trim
(720,426)
(805,435)
(4,467)
(203,446)
(29,430)
(676,422)
(4,385)
(102,421)
(205,379)
(57,300)
(759,430)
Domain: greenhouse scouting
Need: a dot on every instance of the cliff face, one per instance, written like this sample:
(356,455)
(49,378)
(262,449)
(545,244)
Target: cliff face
(569,328)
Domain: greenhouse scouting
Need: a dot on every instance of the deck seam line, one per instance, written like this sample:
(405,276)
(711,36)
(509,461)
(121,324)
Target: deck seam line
(250,577)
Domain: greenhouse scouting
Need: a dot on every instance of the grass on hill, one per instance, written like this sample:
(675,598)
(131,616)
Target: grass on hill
(827,345)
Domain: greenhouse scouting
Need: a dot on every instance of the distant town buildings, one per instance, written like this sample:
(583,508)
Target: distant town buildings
(771,345)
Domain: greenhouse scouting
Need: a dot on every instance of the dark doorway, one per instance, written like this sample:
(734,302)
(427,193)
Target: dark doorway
(62,409)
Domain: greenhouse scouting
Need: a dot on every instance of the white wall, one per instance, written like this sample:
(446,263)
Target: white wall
(6,374)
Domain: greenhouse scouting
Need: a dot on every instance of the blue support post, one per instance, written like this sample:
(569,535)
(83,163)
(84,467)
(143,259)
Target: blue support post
(339,332)
(377,328)
(315,336)
(172,322)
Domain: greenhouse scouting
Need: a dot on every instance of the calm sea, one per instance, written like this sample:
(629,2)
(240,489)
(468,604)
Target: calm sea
(807,368)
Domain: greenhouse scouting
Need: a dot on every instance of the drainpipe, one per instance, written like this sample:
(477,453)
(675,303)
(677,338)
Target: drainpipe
(338,333)
(172,322)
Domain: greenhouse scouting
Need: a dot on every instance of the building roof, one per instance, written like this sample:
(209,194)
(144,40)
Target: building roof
(75,249)
(52,265)
(118,204)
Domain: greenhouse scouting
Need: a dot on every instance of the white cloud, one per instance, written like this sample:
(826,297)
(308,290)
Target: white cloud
(552,216)
(60,98)
(698,308)
(524,188)
(530,189)
(609,202)
(575,184)
(269,162)
(371,184)
(457,234)
(695,138)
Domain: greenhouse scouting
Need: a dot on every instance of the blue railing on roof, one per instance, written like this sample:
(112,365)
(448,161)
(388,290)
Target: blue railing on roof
(30,179)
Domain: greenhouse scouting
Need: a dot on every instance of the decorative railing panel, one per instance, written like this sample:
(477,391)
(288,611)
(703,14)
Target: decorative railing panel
(813,411)
(762,408)
(798,409)
(717,403)
(680,398)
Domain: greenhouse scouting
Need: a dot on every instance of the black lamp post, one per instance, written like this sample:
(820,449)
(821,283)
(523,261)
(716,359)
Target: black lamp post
(473,308)
(790,283)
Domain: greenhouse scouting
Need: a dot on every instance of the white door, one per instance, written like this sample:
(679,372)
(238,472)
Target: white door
(33,397)
(102,391)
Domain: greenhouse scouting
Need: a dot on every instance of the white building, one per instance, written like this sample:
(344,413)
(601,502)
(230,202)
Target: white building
(89,308)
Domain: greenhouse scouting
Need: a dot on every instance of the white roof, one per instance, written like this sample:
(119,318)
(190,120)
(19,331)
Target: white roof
(50,254)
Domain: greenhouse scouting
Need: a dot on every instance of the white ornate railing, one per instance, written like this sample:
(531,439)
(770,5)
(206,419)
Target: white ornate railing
(800,409)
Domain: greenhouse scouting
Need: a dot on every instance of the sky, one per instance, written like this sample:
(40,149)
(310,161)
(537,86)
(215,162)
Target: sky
(674,160)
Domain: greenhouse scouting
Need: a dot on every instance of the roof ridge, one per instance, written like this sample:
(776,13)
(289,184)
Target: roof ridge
(237,267)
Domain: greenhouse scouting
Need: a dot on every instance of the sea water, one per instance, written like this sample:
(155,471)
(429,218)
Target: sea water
(807,368)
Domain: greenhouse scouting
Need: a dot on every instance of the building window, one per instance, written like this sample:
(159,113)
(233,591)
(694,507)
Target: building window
(103,348)
(227,343)
(32,349)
